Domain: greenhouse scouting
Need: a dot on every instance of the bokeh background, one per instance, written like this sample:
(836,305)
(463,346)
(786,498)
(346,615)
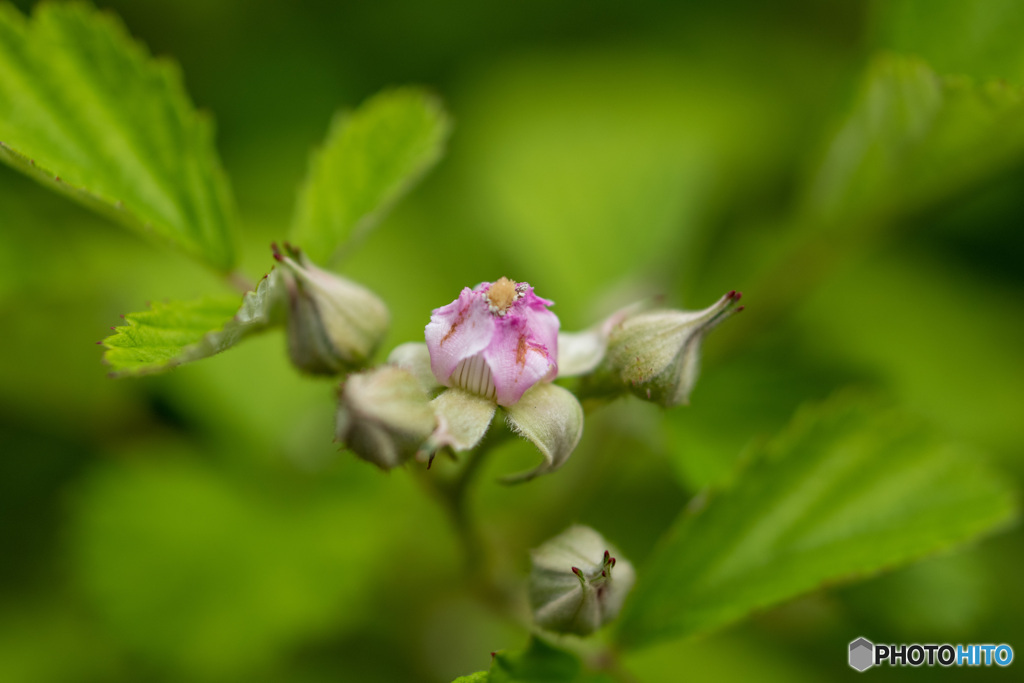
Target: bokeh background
(201,526)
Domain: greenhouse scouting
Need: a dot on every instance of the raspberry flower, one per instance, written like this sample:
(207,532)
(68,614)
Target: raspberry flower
(496,345)
(496,340)
(499,345)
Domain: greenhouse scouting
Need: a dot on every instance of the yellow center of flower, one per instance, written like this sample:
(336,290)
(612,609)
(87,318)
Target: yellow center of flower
(501,295)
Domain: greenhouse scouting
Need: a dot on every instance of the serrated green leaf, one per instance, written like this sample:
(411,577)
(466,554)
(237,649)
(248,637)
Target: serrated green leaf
(170,334)
(847,490)
(911,139)
(87,111)
(371,157)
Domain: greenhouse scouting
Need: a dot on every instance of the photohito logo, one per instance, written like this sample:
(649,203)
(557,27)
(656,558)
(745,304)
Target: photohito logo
(864,654)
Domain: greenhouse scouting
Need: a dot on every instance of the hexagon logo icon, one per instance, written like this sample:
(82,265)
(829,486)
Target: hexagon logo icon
(862,654)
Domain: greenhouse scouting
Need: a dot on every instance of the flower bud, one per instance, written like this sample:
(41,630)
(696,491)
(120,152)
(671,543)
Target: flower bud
(384,415)
(578,582)
(334,324)
(656,354)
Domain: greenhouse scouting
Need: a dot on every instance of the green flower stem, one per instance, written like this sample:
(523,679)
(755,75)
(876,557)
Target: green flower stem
(454,495)
(504,599)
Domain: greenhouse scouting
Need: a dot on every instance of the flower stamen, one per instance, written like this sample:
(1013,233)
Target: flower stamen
(501,295)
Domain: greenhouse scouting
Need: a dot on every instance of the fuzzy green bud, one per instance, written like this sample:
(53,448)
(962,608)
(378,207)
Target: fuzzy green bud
(384,416)
(578,582)
(656,354)
(334,324)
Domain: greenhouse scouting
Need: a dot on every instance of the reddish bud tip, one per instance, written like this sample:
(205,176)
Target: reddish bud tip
(740,308)
(493,655)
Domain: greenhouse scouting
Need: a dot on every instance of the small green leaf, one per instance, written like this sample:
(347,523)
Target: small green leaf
(914,138)
(88,112)
(540,662)
(478,677)
(371,158)
(170,334)
(847,490)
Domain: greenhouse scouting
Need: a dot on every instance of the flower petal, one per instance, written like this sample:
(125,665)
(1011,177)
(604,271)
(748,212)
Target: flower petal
(462,420)
(518,360)
(580,352)
(550,417)
(457,331)
(415,357)
(543,322)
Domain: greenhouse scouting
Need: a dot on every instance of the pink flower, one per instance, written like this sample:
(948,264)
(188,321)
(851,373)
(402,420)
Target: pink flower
(496,340)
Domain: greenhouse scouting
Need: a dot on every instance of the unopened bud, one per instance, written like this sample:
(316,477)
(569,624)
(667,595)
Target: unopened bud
(384,415)
(656,354)
(334,324)
(578,582)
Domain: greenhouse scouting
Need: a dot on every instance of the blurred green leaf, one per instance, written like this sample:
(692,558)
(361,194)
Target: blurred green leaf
(540,662)
(86,111)
(847,490)
(478,677)
(980,38)
(370,159)
(748,397)
(715,659)
(913,139)
(171,334)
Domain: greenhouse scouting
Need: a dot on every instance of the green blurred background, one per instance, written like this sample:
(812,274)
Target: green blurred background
(201,526)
